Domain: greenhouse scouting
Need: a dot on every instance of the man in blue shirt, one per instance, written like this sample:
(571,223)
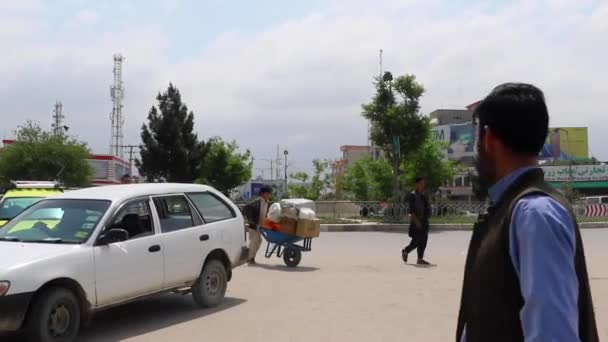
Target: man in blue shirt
(525,276)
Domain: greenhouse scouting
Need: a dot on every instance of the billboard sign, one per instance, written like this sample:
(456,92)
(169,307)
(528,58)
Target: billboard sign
(441,133)
(566,143)
(459,139)
(580,173)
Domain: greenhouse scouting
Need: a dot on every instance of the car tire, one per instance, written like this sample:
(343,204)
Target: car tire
(210,287)
(54,317)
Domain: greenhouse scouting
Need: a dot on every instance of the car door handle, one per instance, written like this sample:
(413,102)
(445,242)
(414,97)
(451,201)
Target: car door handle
(154,249)
(204,237)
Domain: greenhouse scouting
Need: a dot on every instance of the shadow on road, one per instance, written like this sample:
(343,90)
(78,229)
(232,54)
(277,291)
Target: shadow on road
(141,317)
(421,266)
(287,269)
(147,316)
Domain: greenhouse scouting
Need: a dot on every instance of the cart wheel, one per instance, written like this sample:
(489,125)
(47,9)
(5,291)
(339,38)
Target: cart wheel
(292,257)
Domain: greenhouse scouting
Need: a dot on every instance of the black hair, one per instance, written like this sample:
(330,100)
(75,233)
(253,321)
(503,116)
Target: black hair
(265,189)
(518,115)
(418,180)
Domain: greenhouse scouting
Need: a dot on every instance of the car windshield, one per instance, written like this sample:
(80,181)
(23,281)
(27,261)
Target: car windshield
(56,221)
(12,206)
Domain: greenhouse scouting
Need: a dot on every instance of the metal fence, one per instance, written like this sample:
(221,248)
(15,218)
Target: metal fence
(441,212)
(345,211)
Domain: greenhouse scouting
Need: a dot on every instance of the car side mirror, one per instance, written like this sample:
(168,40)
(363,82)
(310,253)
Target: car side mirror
(113,235)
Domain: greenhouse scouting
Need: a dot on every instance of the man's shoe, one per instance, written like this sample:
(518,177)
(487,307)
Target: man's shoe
(251,262)
(404,255)
(423,262)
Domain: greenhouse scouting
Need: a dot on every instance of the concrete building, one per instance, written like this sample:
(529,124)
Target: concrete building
(452,116)
(352,154)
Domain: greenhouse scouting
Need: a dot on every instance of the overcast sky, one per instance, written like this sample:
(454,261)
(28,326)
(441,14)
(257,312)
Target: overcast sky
(294,73)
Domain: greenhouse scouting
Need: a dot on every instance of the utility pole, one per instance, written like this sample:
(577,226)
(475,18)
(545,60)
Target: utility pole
(285,153)
(130,147)
(272,164)
(278,163)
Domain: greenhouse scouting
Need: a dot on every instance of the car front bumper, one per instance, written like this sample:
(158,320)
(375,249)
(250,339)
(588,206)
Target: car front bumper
(13,309)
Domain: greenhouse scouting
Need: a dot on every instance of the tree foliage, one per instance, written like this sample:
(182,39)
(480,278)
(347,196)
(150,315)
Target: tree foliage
(42,156)
(224,167)
(429,162)
(368,180)
(394,113)
(314,187)
(170,150)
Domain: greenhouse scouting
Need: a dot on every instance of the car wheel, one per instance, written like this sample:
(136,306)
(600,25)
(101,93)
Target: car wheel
(54,317)
(210,288)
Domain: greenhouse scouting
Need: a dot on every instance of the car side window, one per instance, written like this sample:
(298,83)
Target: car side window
(174,213)
(211,207)
(135,218)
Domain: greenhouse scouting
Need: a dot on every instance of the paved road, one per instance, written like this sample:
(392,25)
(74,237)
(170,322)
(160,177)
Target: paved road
(352,287)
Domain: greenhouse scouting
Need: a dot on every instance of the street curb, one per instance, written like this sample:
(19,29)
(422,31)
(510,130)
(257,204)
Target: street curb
(402,228)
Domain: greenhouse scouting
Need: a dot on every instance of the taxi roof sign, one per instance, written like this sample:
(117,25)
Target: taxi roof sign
(34,185)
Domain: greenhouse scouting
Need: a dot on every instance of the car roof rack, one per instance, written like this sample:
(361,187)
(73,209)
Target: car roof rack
(34,185)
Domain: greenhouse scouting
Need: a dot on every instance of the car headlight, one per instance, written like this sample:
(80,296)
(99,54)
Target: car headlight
(4,286)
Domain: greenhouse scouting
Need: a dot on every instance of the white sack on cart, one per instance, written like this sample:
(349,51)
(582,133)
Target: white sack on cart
(307,214)
(274,213)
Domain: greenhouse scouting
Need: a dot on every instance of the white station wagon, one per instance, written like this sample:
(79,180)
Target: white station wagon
(73,254)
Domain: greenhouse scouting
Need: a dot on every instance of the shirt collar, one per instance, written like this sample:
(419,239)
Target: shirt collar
(498,189)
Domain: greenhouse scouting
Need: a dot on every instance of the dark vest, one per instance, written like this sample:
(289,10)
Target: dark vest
(491,297)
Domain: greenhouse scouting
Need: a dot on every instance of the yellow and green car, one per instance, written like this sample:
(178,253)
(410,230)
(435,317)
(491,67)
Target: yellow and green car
(22,195)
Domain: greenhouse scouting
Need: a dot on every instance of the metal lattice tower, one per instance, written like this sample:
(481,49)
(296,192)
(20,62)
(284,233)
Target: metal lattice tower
(117,93)
(58,117)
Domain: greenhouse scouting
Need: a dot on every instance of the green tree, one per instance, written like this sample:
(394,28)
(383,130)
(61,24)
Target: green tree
(429,162)
(314,187)
(170,150)
(300,188)
(224,167)
(368,180)
(40,155)
(397,125)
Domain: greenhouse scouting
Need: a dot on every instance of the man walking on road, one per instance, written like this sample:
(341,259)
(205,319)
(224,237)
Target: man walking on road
(255,213)
(525,277)
(420,211)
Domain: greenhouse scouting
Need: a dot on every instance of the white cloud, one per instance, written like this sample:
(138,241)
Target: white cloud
(86,17)
(301,83)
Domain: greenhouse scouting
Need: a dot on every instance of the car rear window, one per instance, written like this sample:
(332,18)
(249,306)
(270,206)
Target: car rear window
(211,207)
(174,213)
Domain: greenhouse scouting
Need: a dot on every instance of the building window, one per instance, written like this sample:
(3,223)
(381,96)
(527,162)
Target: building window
(459,182)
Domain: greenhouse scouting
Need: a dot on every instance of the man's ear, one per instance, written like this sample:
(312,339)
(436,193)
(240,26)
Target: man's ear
(489,139)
